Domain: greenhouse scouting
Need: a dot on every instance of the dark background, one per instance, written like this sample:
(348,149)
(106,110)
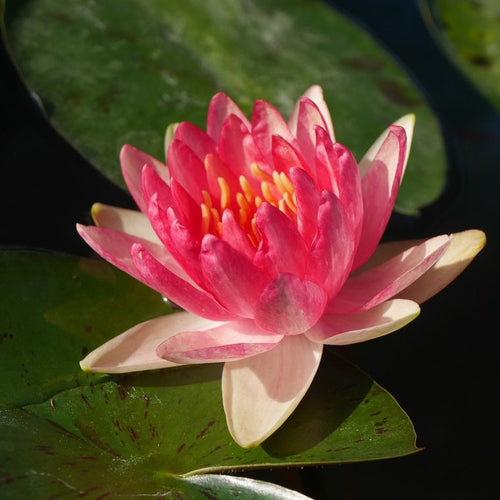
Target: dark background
(442,368)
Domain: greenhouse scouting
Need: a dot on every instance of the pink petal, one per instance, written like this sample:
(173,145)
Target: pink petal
(183,293)
(285,156)
(309,118)
(127,221)
(135,349)
(307,197)
(343,329)
(369,288)
(233,234)
(281,249)
(380,187)
(197,140)
(187,169)
(408,123)
(221,106)
(228,342)
(189,211)
(315,93)
(132,161)
(464,247)
(154,185)
(115,247)
(237,148)
(231,277)
(289,305)
(261,392)
(332,251)
(266,122)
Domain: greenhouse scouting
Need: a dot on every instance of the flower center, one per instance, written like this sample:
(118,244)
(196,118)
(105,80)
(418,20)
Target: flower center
(275,189)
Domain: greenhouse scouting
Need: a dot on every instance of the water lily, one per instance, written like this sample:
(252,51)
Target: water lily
(268,234)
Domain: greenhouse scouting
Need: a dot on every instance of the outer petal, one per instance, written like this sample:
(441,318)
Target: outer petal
(197,140)
(369,288)
(132,161)
(228,342)
(127,221)
(464,247)
(135,349)
(380,187)
(290,305)
(180,291)
(343,329)
(260,393)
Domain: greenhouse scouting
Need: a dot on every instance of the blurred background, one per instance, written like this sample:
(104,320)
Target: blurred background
(443,369)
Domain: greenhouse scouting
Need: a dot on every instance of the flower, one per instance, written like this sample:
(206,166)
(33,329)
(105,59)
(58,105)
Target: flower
(268,234)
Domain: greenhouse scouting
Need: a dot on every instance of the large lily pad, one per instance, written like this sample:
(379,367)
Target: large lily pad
(64,432)
(469,32)
(121,70)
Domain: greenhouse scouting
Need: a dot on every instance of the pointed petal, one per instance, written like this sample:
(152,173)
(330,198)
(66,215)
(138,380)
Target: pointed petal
(232,278)
(197,140)
(132,161)
(315,93)
(332,251)
(281,250)
(285,156)
(221,106)
(343,329)
(261,392)
(266,122)
(127,221)
(307,201)
(369,288)
(185,294)
(464,247)
(309,118)
(237,148)
(135,349)
(290,305)
(408,123)
(380,187)
(233,234)
(187,169)
(228,342)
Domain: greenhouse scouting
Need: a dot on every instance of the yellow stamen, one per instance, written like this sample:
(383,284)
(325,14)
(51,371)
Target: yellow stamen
(258,201)
(266,189)
(243,217)
(225,193)
(290,203)
(278,183)
(215,216)
(287,182)
(207,199)
(248,192)
(205,218)
(242,202)
(257,172)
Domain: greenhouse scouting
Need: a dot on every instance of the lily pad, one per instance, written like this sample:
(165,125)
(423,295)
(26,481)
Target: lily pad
(119,71)
(63,431)
(469,32)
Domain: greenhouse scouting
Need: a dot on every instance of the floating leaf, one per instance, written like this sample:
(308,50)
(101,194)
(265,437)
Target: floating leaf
(62,430)
(121,70)
(469,32)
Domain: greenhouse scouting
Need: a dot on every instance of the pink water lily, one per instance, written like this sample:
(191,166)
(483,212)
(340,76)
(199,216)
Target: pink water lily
(268,234)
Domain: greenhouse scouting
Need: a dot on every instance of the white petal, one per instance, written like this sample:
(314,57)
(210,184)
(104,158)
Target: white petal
(408,123)
(131,222)
(464,247)
(344,329)
(135,349)
(261,392)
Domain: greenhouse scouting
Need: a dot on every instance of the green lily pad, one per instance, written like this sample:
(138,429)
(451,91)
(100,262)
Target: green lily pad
(119,71)
(469,32)
(62,430)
